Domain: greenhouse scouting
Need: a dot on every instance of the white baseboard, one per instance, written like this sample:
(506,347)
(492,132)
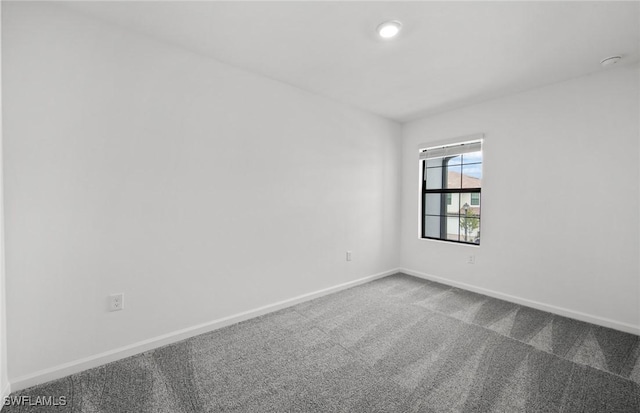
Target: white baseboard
(76,366)
(577,315)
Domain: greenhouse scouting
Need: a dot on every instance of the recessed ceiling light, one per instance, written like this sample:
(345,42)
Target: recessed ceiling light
(389,29)
(611,60)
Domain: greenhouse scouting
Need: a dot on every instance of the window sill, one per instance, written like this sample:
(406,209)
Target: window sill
(464,244)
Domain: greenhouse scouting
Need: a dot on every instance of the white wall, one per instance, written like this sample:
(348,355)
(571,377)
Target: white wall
(198,190)
(132,166)
(557,162)
(4,381)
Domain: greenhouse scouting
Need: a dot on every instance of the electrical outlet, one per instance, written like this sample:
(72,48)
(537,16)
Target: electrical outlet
(116,302)
(472,259)
(348,255)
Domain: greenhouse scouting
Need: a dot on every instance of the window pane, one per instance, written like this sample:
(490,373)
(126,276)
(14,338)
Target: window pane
(467,208)
(455,160)
(453,216)
(470,229)
(452,237)
(432,227)
(453,228)
(434,178)
(433,204)
(454,176)
(472,176)
(454,206)
(473,157)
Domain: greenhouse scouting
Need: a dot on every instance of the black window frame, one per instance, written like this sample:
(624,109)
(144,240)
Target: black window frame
(444,192)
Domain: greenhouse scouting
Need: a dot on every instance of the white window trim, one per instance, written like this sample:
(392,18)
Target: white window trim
(421,147)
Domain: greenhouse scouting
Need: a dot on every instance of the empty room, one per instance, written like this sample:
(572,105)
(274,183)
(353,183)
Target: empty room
(319,206)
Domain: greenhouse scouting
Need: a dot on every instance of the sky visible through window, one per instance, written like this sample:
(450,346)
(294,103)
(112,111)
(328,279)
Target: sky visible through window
(472,163)
(476,159)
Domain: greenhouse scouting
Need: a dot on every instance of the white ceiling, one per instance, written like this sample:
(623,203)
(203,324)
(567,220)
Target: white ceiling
(449,54)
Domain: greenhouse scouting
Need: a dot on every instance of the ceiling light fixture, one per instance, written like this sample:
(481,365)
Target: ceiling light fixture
(389,29)
(611,60)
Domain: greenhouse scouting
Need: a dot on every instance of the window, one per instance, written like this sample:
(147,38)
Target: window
(451,188)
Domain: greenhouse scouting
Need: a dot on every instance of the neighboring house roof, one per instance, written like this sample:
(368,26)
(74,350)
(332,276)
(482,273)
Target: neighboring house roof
(474,210)
(453,179)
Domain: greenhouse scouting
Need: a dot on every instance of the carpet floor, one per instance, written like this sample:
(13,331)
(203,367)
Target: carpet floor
(397,344)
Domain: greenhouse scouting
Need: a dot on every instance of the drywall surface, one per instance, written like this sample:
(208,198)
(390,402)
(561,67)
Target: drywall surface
(560,197)
(198,190)
(4,380)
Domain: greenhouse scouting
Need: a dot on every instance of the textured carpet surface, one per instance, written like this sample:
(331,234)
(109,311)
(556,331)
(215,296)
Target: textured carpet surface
(398,344)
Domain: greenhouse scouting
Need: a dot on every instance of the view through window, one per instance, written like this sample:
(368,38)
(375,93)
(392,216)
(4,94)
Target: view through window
(451,189)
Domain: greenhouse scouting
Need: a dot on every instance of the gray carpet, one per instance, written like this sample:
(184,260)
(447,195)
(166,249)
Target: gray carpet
(398,344)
